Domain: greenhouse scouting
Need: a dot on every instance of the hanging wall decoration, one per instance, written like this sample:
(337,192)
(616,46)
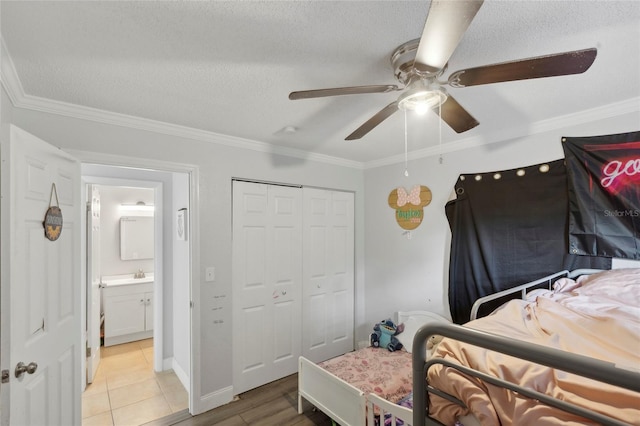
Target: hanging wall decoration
(409,205)
(603,174)
(181,224)
(53,217)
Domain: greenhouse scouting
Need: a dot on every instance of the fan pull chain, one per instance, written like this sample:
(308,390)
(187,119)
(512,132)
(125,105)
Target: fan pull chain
(406,167)
(440,132)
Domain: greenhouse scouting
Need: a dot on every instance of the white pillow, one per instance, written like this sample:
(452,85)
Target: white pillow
(411,327)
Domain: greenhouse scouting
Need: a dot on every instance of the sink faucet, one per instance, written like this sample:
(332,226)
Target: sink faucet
(139,274)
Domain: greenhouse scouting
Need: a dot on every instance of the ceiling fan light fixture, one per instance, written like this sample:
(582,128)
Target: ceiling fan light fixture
(421,97)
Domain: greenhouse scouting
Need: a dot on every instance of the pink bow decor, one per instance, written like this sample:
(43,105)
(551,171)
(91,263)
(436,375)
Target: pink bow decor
(412,197)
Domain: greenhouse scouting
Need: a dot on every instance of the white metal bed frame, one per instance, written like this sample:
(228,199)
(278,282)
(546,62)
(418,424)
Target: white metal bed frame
(548,281)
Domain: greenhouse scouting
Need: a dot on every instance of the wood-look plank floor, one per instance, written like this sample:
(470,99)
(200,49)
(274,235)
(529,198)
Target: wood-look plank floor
(272,404)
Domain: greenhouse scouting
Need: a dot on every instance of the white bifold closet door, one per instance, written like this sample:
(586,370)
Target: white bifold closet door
(267,283)
(293,279)
(328,274)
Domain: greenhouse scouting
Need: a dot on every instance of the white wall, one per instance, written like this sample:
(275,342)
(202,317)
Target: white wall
(111,197)
(217,165)
(407,274)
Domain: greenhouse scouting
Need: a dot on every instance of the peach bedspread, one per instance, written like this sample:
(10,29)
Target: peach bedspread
(374,370)
(597,316)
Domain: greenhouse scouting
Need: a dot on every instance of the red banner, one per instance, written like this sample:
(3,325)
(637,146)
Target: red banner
(604,195)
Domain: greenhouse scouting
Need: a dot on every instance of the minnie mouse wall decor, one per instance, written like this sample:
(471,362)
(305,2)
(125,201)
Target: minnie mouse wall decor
(409,205)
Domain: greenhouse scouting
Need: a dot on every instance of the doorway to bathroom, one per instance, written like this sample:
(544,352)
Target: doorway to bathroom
(136,292)
(120,268)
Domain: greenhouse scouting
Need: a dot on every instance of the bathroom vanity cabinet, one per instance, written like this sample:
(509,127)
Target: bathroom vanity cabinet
(128,312)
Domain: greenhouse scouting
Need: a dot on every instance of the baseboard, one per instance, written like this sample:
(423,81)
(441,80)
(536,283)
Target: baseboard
(167,364)
(182,375)
(214,400)
(206,402)
(171,364)
(126,338)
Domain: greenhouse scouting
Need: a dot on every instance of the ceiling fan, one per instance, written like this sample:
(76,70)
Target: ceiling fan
(419,63)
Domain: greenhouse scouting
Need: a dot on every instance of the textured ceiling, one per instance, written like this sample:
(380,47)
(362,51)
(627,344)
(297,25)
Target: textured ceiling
(228,67)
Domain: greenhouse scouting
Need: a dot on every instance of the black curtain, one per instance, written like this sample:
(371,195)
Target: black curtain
(508,228)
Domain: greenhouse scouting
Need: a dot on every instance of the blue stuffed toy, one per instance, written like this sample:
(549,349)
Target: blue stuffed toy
(384,335)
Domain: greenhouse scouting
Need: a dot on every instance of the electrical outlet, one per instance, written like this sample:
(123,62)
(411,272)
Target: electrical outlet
(210,274)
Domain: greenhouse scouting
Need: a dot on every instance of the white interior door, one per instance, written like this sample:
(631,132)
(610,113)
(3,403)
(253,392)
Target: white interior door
(267,282)
(93,281)
(44,320)
(328,268)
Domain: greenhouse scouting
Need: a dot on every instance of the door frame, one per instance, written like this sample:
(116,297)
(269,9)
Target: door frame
(158,260)
(196,405)
(87,230)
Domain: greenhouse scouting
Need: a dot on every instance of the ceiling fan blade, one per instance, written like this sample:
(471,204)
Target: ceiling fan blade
(337,91)
(378,118)
(447,21)
(575,62)
(456,116)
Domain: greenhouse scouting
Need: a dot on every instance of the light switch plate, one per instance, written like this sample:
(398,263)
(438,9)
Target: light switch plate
(210,274)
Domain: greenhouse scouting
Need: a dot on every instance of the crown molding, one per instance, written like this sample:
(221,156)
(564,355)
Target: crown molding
(106,117)
(138,123)
(19,99)
(9,76)
(629,106)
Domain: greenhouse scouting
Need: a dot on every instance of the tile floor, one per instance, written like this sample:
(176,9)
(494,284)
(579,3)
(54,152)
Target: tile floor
(126,391)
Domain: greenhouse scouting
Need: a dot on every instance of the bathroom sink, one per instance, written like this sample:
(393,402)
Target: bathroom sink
(125,280)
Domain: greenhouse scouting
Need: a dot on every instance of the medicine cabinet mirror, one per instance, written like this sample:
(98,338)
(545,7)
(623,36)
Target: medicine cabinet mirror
(136,238)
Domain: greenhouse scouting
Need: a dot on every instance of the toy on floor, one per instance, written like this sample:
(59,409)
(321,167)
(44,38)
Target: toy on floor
(384,335)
